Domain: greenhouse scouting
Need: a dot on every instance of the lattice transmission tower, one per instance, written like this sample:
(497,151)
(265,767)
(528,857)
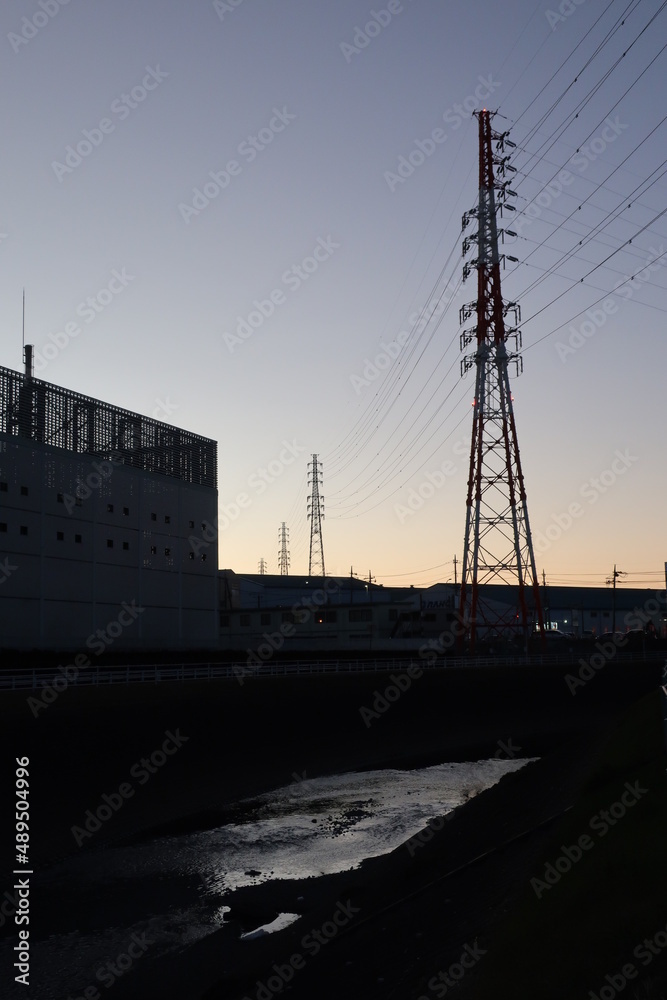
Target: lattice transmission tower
(498,546)
(316,515)
(283,554)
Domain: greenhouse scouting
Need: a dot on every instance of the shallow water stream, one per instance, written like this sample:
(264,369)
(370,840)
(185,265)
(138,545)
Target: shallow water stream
(172,891)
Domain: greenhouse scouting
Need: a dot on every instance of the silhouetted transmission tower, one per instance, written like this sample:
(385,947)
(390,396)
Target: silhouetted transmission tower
(316,514)
(262,566)
(283,554)
(498,546)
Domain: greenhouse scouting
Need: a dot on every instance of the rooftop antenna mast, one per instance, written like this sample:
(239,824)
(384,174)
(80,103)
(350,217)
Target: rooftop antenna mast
(27,348)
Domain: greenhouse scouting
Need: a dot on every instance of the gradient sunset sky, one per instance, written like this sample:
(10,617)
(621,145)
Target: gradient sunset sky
(262,199)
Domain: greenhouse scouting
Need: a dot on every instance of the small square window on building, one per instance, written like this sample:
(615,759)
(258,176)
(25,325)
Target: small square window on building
(60,498)
(191,524)
(126,511)
(3,526)
(167,519)
(244,620)
(362,615)
(153,517)
(23,529)
(191,555)
(24,491)
(3,487)
(126,546)
(265,618)
(78,539)
(109,543)
(109,508)
(60,536)
(78,501)
(203,558)
(167,552)
(153,550)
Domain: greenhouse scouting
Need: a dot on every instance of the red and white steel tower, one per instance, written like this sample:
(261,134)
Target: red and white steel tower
(498,546)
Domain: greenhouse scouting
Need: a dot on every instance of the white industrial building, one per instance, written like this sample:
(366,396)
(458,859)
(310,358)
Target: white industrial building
(298,614)
(100,512)
(107,541)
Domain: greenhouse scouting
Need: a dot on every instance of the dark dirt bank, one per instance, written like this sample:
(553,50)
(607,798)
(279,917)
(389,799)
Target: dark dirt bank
(416,913)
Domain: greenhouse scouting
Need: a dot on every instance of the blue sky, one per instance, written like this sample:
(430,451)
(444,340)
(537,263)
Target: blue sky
(225,214)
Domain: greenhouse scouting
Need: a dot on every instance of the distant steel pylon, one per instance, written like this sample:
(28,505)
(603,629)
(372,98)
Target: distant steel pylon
(498,546)
(283,554)
(262,566)
(316,515)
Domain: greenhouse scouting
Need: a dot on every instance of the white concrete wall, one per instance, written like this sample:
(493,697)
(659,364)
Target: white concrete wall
(55,593)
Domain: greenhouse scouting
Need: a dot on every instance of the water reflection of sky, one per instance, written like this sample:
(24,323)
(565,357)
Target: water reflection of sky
(176,889)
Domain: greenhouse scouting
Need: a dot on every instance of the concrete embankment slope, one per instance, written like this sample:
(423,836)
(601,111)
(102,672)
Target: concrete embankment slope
(167,753)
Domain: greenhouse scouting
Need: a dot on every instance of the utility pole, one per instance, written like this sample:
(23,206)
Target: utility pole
(612,580)
(455,580)
(371,579)
(316,514)
(283,554)
(498,547)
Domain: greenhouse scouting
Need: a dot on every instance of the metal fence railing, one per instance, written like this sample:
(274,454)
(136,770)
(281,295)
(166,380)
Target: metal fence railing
(61,677)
